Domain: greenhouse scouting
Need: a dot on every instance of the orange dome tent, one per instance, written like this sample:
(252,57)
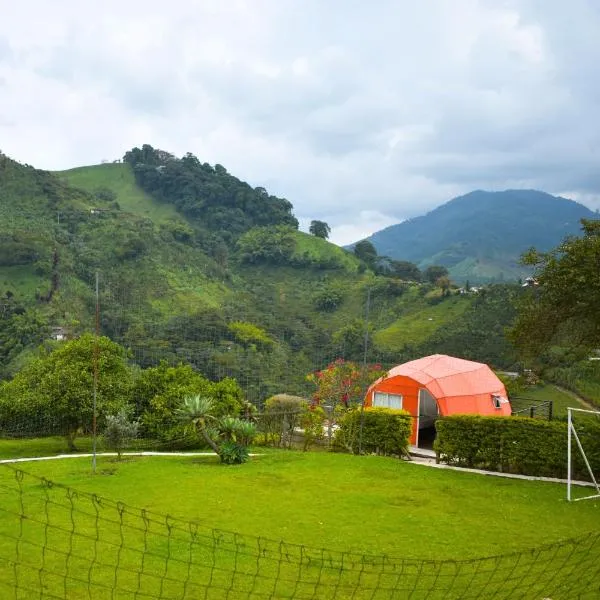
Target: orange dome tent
(439,385)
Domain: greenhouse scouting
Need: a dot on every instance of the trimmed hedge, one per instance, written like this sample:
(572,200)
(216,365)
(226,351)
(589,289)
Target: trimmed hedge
(516,445)
(385,431)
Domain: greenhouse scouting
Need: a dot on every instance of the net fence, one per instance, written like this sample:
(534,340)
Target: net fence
(57,542)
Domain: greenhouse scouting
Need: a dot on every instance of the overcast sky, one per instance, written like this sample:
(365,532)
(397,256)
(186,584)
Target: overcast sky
(361,113)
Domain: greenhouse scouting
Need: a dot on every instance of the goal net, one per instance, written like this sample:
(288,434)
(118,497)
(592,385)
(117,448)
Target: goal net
(576,450)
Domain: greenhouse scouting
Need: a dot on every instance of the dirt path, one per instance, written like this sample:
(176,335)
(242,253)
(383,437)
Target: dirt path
(573,395)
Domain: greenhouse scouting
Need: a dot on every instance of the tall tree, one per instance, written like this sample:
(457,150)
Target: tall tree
(365,251)
(405,270)
(563,306)
(319,229)
(54,394)
(434,272)
(340,385)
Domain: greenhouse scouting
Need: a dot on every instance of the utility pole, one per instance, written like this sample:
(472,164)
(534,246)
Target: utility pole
(95,393)
(362,404)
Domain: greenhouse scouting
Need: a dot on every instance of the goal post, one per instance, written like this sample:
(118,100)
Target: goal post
(572,435)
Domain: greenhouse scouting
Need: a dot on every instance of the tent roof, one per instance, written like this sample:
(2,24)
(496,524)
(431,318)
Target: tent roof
(446,376)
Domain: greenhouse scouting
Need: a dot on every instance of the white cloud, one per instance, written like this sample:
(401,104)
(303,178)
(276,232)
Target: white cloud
(361,114)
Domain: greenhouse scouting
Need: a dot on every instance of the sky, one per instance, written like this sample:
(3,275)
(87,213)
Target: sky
(362,114)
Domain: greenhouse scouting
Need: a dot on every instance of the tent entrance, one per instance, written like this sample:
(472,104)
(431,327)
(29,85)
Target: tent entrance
(427,416)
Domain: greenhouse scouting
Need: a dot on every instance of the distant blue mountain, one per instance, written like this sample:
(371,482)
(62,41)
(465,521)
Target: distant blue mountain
(481,235)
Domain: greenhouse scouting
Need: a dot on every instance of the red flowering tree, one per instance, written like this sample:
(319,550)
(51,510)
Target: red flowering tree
(341,385)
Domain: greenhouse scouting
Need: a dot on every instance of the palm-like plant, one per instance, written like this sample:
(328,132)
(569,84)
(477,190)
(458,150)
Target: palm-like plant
(229,437)
(237,430)
(197,412)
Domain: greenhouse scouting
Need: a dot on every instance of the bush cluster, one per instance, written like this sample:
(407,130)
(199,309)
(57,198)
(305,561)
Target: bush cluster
(515,445)
(384,431)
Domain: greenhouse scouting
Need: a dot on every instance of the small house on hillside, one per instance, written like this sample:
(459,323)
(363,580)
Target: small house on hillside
(530,282)
(60,334)
(439,385)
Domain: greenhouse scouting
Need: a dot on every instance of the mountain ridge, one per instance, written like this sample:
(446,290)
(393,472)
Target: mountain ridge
(480,235)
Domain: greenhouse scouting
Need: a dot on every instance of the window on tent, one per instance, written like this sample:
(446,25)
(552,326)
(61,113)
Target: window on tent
(498,401)
(385,400)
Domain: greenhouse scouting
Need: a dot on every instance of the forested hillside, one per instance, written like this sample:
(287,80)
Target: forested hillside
(198,267)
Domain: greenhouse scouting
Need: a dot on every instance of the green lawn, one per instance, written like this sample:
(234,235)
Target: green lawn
(358,505)
(404,509)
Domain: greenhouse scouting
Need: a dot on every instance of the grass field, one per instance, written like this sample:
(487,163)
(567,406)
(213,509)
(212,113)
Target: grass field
(76,545)
(561,400)
(315,499)
(119,178)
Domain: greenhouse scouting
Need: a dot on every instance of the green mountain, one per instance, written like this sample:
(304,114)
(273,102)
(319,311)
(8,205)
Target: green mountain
(480,236)
(196,266)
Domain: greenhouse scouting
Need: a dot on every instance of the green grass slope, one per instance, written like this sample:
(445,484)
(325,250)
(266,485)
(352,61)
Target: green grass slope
(118,177)
(419,323)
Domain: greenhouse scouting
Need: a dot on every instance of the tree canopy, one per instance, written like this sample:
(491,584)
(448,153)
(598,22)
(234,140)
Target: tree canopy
(319,229)
(365,251)
(58,387)
(561,307)
(434,272)
(209,195)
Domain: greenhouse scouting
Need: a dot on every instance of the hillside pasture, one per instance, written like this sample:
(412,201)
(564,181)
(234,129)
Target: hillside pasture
(119,178)
(417,325)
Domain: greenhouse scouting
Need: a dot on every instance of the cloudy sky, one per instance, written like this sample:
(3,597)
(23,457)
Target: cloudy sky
(360,113)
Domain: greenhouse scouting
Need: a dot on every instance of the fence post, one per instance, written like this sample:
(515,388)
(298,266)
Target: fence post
(532,411)
(550,409)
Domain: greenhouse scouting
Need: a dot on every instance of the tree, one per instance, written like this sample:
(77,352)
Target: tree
(434,272)
(159,392)
(405,270)
(341,385)
(119,432)
(562,308)
(365,251)
(274,245)
(57,389)
(221,254)
(319,229)
(282,414)
(444,284)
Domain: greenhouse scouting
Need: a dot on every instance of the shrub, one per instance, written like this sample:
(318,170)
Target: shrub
(515,444)
(158,394)
(248,333)
(228,436)
(282,414)
(105,194)
(328,299)
(233,453)
(384,431)
(119,432)
(311,421)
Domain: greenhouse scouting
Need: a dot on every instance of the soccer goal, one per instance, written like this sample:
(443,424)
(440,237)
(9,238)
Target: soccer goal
(574,436)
